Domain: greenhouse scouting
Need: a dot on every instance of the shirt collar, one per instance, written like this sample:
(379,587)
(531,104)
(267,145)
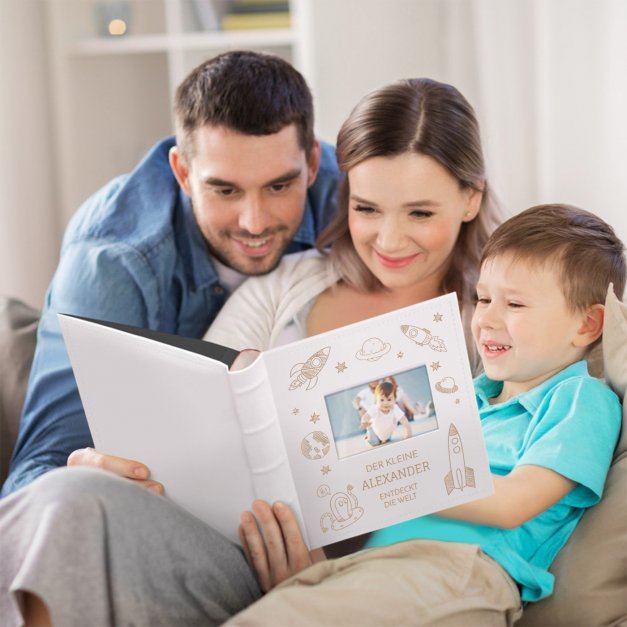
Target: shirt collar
(486,388)
(306,233)
(193,247)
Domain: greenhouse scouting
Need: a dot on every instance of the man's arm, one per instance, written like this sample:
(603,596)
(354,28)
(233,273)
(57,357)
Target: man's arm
(94,280)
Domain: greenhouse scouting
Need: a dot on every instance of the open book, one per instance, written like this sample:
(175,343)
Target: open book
(289,425)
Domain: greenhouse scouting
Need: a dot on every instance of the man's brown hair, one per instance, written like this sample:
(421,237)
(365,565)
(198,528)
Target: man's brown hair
(249,92)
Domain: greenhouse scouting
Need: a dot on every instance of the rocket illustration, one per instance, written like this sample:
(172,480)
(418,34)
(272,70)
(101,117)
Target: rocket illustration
(460,476)
(309,371)
(423,337)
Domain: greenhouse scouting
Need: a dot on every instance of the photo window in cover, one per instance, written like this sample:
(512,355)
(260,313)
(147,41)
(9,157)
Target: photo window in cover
(381,412)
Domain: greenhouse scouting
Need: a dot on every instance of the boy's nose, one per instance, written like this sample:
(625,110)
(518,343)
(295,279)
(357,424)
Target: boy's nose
(488,317)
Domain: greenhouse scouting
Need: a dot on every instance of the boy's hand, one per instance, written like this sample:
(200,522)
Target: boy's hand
(273,544)
(127,468)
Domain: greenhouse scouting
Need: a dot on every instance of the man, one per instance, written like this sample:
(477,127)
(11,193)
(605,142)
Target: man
(163,246)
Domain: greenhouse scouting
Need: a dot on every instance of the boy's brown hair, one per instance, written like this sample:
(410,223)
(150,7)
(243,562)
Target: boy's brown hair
(584,250)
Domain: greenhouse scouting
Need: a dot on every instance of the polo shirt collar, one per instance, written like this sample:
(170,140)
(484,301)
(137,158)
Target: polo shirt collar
(486,388)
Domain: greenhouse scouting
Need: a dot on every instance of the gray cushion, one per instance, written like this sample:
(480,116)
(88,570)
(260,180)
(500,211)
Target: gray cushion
(591,570)
(18,328)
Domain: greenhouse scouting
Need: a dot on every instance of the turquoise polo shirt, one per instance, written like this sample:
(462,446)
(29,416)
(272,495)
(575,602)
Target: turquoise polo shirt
(569,424)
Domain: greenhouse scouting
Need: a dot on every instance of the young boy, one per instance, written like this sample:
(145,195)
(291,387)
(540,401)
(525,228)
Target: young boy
(550,431)
(381,419)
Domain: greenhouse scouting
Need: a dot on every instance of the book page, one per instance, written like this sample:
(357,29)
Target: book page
(422,454)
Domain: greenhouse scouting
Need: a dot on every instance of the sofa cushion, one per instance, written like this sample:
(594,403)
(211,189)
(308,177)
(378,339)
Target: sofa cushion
(591,570)
(18,328)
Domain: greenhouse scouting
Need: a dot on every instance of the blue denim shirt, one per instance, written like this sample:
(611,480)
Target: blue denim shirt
(133,253)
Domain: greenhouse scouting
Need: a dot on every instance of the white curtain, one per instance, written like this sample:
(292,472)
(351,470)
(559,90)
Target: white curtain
(550,79)
(29,224)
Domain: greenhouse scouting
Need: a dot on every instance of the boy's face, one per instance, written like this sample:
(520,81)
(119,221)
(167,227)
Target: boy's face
(521,325)
(385,402)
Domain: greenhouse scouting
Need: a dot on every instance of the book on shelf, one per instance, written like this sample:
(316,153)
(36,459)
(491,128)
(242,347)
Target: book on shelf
(258,20)
(219,431)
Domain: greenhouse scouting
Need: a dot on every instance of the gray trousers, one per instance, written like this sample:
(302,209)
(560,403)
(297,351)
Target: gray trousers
(101,551)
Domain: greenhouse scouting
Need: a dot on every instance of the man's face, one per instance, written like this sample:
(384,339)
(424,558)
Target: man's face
(248,193)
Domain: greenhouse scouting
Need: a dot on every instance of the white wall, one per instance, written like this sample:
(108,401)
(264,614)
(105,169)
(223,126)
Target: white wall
(27,190)
(548,81)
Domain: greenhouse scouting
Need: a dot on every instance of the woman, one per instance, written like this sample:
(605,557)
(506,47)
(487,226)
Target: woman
(414,214)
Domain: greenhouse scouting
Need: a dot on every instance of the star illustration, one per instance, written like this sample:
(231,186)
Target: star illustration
(295,411)
(341,366)
(325,470)
(438,317)
(400,354)
(314,418)
(435,365)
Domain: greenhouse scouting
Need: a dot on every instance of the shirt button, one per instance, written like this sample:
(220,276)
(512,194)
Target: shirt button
(218,289)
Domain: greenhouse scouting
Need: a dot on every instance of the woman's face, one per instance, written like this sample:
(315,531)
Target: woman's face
(404,216)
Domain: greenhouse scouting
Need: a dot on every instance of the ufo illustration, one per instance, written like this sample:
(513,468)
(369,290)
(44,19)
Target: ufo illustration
(447,385)
(372,349)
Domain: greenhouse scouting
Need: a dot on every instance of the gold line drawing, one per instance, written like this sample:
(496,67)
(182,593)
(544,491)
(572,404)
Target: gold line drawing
(459,476)
(323,490)
(308,371)
(345,511)
(423,337)
(372,349)
(315,445)
(447,385)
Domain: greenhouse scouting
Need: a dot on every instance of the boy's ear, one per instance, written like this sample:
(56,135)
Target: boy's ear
(592,326)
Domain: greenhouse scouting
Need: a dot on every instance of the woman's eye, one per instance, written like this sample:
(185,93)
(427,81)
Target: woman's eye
(516,305)
(482,300)
(364,209)
(421,214)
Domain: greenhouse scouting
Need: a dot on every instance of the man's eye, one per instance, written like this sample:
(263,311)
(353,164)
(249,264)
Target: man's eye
(279,187)
(516,305)
(225,191)
(482,300)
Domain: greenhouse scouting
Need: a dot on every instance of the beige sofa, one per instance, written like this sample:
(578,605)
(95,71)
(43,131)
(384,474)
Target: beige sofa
(591,570)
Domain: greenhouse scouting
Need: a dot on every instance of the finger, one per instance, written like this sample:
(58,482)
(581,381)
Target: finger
(255,550)
(128,468)
(273,538)
(298,555)
(152,486)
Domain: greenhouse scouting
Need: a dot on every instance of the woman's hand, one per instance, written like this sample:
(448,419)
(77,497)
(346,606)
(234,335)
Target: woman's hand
(274,545)
(127,468)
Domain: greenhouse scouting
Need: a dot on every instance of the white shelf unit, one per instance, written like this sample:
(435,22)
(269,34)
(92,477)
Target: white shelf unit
(113,95)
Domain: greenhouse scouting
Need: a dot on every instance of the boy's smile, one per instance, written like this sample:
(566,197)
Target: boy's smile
(522,326)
